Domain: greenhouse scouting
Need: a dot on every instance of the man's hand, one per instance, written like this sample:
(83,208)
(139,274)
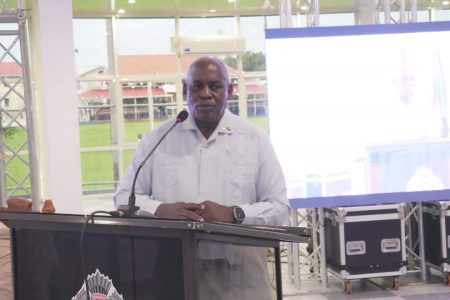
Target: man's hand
(212,211)
(179,210)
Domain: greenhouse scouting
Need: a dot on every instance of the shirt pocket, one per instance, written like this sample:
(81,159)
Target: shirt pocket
(168,170)
(240,180)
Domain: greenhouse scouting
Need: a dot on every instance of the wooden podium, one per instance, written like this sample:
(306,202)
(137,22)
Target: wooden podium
(135,257)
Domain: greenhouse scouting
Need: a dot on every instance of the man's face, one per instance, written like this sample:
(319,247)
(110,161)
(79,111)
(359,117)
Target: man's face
(207,92)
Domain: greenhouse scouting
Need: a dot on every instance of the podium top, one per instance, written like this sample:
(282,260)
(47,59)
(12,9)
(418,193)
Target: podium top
(120,225)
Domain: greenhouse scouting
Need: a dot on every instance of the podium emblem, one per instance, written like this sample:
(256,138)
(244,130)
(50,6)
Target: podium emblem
(100,287)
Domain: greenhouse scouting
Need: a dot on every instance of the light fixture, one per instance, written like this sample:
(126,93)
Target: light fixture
(303,8)
(231,1)
(132,1)
(212,10)
(121,11)
(446,2)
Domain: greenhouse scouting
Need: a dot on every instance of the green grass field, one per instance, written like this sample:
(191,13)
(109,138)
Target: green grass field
(97,169)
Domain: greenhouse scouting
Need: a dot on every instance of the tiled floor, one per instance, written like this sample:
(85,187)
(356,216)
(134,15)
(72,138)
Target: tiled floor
(411,287)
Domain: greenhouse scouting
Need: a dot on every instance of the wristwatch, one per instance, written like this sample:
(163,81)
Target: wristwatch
(238,215)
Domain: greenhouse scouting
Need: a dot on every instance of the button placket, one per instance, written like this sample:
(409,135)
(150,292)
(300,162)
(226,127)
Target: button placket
(203,172)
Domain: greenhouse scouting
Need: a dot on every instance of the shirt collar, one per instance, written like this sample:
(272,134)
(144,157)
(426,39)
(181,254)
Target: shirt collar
(189,124)
(225,124)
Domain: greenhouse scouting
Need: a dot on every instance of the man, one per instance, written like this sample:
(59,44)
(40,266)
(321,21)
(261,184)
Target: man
(214,166)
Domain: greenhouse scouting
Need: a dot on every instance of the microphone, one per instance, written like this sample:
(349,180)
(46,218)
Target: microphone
(130,209)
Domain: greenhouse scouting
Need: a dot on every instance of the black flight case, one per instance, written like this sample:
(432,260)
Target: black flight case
(436,228)
(365,242)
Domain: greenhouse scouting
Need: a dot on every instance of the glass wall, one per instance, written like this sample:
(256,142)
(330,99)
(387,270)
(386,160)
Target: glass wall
(129,81)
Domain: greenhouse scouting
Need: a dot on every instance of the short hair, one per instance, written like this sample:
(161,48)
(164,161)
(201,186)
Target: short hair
(207,59)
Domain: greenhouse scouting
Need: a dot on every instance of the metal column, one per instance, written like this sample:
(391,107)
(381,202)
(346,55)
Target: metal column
(12,86)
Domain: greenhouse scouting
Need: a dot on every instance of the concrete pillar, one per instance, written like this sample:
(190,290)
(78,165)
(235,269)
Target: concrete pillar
(365,12)
(56,113)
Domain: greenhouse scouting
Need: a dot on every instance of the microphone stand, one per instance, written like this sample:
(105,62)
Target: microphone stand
(130,209)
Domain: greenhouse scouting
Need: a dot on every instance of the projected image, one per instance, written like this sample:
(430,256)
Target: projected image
(357,114)
(415,108)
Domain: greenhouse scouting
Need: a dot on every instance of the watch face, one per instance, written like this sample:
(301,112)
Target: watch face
(239,214)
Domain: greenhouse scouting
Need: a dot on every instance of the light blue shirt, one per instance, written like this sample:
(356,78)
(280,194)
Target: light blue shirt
(235,166)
